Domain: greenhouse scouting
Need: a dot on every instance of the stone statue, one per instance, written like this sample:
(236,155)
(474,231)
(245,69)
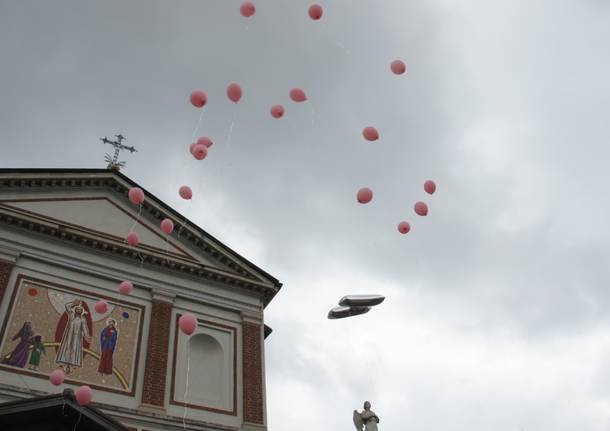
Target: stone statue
(366,420)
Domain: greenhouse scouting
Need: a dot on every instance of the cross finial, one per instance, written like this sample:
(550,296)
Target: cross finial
(113,162)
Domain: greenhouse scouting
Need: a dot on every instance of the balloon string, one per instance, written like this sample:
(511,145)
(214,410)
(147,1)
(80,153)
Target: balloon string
(198,123)
(231,129)
(188,371)
(182,225)
(167,248)
(137,219)
(340,45)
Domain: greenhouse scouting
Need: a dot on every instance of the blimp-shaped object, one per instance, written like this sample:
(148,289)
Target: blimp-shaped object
(361,300)
(341,312)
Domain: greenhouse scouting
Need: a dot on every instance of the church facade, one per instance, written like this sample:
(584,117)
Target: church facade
(63,249)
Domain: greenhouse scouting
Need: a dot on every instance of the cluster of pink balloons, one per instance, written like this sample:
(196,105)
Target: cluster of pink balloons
(83,394)
(234,94)
(248,9)
(136,197)
(297,95)
(421,209)
(365,195)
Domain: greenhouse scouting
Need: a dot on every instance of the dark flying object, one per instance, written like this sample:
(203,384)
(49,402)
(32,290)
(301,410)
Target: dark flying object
(361,300)
(341,312)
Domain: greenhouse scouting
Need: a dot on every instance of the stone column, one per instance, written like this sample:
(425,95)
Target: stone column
(157,351)
(253,372)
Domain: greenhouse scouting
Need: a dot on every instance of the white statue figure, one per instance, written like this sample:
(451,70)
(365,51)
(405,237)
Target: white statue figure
(367,419)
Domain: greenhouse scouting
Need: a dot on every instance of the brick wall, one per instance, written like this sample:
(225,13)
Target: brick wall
(157,353)
(253,373)
(5,273)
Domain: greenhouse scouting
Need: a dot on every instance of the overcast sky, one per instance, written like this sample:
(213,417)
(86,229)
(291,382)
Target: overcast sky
(497,314)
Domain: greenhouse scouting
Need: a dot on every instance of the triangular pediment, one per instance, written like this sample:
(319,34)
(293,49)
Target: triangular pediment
(101,216)
(91,207)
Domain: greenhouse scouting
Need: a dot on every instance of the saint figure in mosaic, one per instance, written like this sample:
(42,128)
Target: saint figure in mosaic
(19,356)
(108,338)
(75,334)
(37,351)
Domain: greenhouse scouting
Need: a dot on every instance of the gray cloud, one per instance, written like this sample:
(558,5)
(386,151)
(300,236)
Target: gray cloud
(495,300)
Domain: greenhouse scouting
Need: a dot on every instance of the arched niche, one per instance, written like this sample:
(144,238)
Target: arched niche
(204,375)
(207,369)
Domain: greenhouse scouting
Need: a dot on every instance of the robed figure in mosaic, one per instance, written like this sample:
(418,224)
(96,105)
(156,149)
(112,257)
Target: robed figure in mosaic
(75,334)
(108,339)
(19,356)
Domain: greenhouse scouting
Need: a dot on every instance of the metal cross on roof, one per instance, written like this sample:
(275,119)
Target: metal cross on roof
(113,162)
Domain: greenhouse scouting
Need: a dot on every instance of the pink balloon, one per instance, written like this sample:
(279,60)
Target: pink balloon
(133,239)
(199,98)
(234,92)
(167,226)
(204,140)
(101,306)
(365,195)
(398,67)
(370,133)
(404,227)
(247,9)
(421,209)
(84,395)
(429,187)
(136,195)
(185,192)
(277,111)
(126,287)
(315,12)
(192,147)
(187,323)
(57,377)
(200,151)
(298,95)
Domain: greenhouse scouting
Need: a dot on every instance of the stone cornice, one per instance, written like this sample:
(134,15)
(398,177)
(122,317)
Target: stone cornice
(137,255)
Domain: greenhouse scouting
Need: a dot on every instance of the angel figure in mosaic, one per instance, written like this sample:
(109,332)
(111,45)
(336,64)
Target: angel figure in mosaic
(367,419)
(75,334)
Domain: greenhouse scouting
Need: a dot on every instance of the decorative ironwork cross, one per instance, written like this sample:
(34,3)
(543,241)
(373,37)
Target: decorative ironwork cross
(113,162)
